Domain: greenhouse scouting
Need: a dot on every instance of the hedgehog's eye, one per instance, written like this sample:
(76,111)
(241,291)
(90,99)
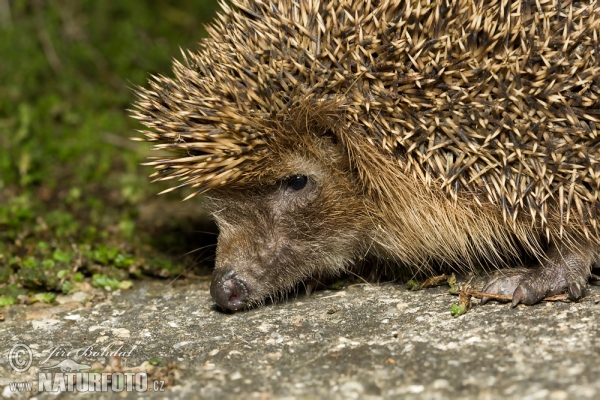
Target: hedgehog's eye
(296,182)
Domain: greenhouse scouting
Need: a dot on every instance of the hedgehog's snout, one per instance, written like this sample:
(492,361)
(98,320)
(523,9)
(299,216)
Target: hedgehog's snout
(228,290)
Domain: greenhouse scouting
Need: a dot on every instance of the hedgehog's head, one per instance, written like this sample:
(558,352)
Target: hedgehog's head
(302,218)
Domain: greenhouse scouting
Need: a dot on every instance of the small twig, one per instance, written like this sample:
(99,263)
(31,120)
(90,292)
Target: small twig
(558,297)
(476,293)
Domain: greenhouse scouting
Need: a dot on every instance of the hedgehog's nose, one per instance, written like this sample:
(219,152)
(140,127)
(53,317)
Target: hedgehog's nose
(229,290)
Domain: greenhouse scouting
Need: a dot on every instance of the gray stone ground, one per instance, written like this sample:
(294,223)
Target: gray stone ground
(365,341)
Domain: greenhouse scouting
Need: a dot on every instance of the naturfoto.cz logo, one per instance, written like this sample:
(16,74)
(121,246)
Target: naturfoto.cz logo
(69,376)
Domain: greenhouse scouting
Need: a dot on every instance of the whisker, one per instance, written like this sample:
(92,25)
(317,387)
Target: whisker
(195,250)
(207,233)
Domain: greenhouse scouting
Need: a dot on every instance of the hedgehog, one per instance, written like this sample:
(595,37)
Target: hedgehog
(423,134)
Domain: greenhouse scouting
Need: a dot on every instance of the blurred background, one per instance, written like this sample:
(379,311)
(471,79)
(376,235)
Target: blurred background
(76,208)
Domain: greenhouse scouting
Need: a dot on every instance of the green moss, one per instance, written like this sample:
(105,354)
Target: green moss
(412,285)
(103,281)
(125,285)
(61,256)
(154,361)
(457,310)
(103,254)
(43,297)
(123,260)
(30,263)
(62,273)
(7,301)
(36,278)
(67,287)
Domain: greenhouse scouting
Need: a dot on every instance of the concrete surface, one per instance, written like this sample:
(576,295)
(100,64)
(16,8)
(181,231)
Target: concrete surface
(365,341)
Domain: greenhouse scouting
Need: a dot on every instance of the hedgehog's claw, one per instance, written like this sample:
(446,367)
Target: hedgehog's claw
(563,270)
(529,293)
(576,291)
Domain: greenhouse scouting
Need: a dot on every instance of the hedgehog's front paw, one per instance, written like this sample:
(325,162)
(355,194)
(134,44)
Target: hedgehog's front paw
(563,271)
(526,286)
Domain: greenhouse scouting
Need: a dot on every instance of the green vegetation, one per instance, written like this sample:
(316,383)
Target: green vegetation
(154,361)
(456,310)
(72,193)
(454,289)
(412,285)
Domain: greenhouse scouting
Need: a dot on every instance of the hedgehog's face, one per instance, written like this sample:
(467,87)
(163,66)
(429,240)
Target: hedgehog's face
(305,221)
